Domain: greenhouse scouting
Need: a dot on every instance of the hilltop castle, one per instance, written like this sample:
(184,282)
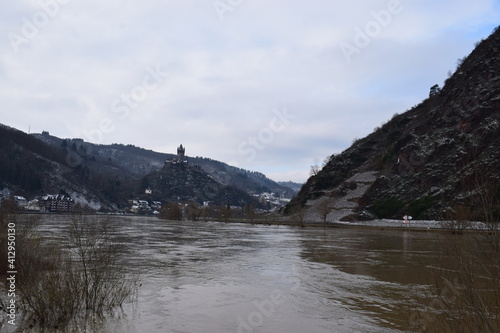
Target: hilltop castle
(181,154)
(180,158)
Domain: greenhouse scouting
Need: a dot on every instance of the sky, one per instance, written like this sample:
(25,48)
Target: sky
(272,86)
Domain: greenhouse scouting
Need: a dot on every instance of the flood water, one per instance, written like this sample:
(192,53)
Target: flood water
(222,277)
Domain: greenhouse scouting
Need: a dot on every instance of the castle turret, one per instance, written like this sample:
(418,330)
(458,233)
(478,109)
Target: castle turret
(180,153)
(180,158)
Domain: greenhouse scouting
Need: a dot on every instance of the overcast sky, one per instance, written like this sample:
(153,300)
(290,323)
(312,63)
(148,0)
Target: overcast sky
(273,86)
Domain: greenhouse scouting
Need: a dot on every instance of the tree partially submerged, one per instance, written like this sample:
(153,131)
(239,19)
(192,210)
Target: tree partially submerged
(465,293)
(77,276)
(250,211)
(171,211)
(324,209)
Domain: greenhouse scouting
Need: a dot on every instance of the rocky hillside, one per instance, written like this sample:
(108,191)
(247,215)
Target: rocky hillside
(182,182)
(437,159)
(30,168)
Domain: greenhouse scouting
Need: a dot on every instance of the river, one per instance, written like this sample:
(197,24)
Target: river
(215,277)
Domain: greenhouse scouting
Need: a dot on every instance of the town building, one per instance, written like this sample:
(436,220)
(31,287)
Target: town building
(20,201)
(139,206)
(58,203)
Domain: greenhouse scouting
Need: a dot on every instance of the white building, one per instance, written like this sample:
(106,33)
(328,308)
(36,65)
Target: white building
(21,201)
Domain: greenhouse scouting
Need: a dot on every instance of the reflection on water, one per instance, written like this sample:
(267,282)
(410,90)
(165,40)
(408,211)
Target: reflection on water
(392,256)
(218,277)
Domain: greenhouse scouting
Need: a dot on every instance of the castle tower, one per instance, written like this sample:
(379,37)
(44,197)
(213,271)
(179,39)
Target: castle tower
(181,153)
(180,158)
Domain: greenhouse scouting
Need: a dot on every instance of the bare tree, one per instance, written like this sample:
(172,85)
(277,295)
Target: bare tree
(250,211)
(324,209)
(207,212)
(193,211)
(458,220)
(104,279)
(465,294)
(315,169)
(171,211)
(298,216)
(225,213)
(79,275)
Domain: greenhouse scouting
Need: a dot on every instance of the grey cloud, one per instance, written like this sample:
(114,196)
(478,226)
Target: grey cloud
(226,77)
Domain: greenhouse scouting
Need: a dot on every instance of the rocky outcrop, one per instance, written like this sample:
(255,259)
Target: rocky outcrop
(439,155)
(181,182)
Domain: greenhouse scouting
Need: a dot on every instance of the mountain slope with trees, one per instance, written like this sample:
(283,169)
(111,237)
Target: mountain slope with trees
(185,183)
(29,167)
(107,176)
(139,162)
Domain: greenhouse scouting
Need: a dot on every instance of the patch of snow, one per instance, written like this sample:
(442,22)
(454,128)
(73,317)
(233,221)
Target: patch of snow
(364,177)
(79,199)
(345,205)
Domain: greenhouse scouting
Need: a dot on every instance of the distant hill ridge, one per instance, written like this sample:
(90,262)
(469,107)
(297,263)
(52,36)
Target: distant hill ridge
(139,162)
(106,176)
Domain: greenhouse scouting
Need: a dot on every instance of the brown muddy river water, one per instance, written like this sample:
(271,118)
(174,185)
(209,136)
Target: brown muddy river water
(200,277)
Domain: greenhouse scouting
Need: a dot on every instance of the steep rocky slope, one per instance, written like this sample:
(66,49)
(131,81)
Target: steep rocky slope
(436,157)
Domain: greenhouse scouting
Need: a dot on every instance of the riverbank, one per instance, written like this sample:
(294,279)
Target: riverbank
(374,224)
(381,224)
